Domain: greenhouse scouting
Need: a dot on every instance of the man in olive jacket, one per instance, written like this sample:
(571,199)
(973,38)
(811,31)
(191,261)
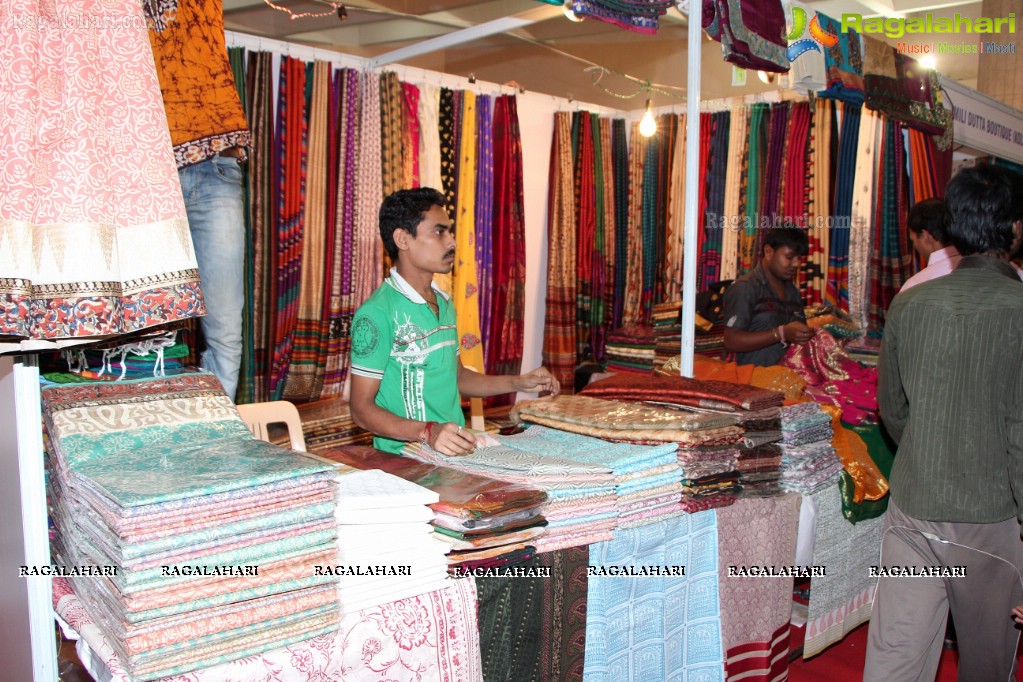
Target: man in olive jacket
(950,391)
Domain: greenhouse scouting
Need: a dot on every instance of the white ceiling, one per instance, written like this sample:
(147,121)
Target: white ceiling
(535,45)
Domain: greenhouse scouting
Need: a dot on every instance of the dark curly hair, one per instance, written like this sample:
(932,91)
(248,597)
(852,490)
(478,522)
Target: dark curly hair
(930,215)
(404,210)
(788,235)
(983,203)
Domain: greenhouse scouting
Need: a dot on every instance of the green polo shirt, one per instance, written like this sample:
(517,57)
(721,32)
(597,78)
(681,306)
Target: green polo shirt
(950,390)
(399,341)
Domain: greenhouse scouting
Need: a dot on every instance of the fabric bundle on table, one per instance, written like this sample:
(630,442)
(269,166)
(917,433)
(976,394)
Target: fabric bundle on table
(809,462)
(474,508)
(581,505)
(714,474)
(386,548)
(865,350)
(631,349)
(214,536)
(646,478)
(720,395)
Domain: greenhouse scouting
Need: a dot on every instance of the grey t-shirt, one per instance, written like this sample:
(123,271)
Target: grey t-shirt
(752,305)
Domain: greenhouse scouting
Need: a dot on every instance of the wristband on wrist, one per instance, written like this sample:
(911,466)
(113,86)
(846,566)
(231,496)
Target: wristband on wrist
(427,433)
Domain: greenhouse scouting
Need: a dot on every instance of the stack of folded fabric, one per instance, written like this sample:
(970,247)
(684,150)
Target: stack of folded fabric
(386,545)
(207,539)
(478,510)
(637,424)
(710,476)
(581,496)
(646,478)
(714,474)
(809,462)
(666,319)
(631,349)
(150,354)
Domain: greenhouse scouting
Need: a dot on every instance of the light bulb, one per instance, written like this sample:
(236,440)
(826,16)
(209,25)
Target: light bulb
(647,124)
(928,62)
(571,15)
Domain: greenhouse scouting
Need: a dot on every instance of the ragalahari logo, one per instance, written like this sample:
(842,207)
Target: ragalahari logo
(818,36)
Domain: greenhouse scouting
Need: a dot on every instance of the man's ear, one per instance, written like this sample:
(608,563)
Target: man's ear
(402,239)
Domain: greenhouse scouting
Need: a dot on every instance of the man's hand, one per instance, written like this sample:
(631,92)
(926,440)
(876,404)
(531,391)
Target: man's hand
(797,332)
(451,439)
(537,381)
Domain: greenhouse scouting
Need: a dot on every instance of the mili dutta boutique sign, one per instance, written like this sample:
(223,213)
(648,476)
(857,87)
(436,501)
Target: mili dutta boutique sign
(983,123)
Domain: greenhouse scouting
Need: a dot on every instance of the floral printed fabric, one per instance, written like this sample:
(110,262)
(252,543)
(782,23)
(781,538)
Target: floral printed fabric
(431,637)
(93,234)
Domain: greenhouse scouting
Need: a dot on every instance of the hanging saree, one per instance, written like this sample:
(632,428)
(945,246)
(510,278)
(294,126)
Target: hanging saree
(341,306)
(730,222)
(633,245)
(303,378)
(674,230)
(862,217)
(287,263)
(505,338)
(252,377)
(586,225)
(466,288)
(838,258)
(622,170)
(410,135)
(559,345)
(484,214)
(713,225)
(369,191)
(606,216)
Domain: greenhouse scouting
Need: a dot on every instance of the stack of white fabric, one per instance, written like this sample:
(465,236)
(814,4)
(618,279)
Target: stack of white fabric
(386,547)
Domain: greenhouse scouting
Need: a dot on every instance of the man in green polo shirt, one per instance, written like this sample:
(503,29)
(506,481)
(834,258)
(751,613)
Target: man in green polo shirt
(950,391)
(407,380)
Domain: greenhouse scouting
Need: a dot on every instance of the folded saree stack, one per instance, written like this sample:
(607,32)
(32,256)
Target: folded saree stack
(581,500)
(631,349)
(809,462)
(654,490)
(194,543)
(484,521)
(386,547)
(714,474)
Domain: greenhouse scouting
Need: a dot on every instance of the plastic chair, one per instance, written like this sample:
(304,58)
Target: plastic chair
(259,416)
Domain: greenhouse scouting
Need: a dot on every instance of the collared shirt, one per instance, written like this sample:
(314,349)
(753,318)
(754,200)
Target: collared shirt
(939,264)
(752,305)
(398,340)
(950,390)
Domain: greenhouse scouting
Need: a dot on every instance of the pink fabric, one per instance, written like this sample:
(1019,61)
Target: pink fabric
(431,637)
(940,263)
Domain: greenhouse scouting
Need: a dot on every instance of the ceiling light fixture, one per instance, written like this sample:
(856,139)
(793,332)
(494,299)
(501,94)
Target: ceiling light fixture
(648,124)
(928,62)
(569,13)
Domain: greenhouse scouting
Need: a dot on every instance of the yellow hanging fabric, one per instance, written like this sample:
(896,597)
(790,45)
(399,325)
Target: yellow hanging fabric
(465,291)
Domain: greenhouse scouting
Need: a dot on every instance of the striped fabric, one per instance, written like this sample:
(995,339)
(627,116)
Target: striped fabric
(291,117)
(505,337)
(838,255)
(620,151)
(713,227)
(484,213)
(559,338)
(586,222)
(633,290)
(304,373)
(608,172)
(737,141)
(674,229)
(368,264)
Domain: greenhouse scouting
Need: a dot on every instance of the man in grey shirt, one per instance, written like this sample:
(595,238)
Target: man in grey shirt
(950,391)
(763,310)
